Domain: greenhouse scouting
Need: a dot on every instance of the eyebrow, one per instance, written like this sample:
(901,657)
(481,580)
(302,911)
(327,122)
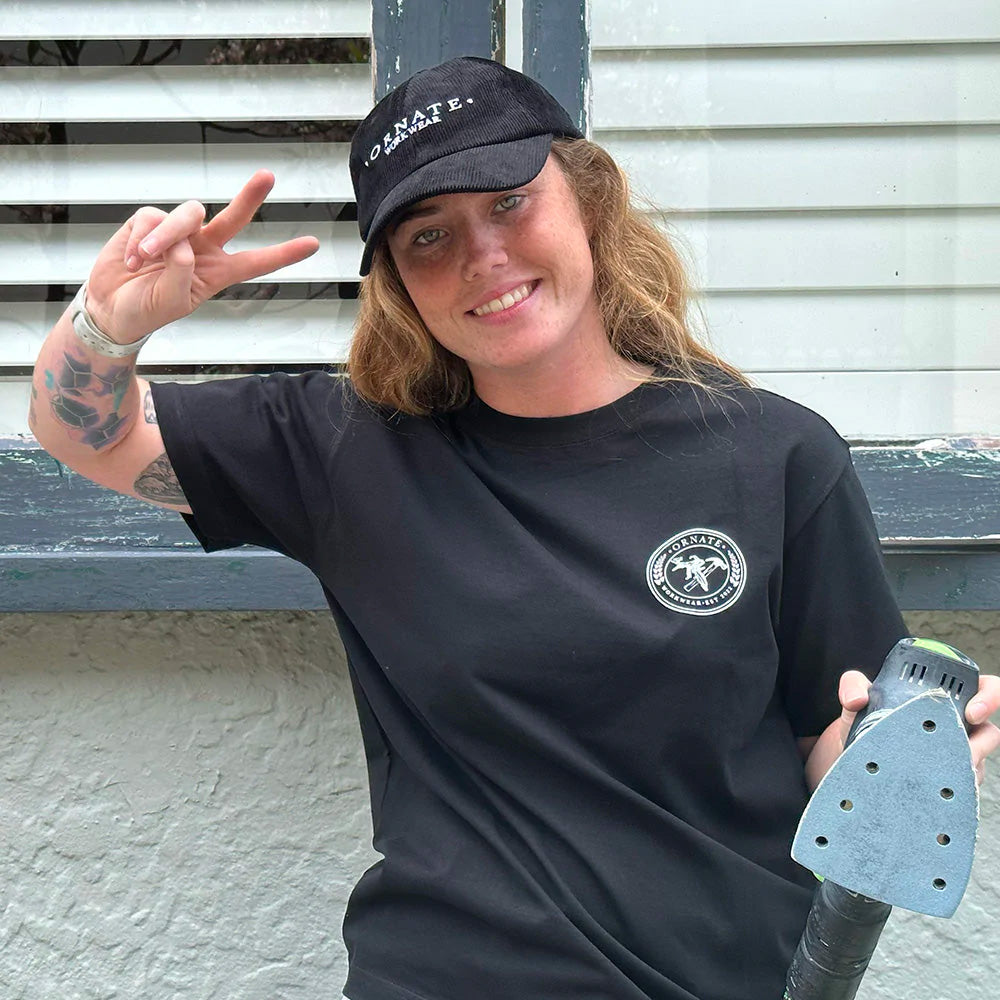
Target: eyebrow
(413,213)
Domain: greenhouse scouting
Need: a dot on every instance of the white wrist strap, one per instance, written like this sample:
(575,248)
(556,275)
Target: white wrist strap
(89,332)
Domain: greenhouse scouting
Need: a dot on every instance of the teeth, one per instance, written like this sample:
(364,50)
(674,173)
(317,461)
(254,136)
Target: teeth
(505,301)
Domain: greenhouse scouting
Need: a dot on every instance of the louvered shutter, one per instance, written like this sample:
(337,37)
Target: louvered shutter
(158,109)
(833,170)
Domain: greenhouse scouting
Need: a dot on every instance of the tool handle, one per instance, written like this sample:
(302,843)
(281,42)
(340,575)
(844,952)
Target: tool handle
(841,933)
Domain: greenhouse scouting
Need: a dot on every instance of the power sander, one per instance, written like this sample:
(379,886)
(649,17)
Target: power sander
(893,822)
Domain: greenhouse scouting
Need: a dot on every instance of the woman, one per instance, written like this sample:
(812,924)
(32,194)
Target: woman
(596,592)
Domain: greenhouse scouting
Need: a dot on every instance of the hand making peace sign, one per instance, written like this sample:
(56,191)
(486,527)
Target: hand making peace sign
(160,266)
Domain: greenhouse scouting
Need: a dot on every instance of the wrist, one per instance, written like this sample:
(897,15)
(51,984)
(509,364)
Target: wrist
(93,336)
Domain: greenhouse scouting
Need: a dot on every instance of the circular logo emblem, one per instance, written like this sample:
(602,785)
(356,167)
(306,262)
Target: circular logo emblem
(697,572)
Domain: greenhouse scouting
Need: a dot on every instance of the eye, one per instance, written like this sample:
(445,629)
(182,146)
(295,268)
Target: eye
(427,237)
(509,201)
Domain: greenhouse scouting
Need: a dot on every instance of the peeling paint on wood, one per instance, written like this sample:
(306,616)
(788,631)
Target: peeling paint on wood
(46,507)
(939,494)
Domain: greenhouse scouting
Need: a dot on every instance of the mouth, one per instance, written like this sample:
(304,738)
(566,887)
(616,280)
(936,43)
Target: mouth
(508,300)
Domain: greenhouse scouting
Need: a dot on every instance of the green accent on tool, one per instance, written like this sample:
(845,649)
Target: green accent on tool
(942,648)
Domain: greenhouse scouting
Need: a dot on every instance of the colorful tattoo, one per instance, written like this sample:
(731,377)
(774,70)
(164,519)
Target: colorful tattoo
(79,398)
(158,482)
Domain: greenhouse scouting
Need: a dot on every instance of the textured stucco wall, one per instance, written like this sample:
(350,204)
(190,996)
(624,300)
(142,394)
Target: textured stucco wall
(183,812)
(184,807)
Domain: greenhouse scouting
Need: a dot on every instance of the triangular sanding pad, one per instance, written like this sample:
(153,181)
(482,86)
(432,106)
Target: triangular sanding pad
(895,818)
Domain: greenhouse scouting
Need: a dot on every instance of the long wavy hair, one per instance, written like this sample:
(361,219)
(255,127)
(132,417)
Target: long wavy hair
(640,281)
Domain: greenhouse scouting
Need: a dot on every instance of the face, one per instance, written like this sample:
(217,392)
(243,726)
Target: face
(505,279)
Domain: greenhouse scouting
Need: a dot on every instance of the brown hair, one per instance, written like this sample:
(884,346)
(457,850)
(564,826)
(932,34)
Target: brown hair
(640,282)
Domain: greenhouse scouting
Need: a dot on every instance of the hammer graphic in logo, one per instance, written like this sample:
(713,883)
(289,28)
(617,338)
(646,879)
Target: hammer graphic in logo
(697,570)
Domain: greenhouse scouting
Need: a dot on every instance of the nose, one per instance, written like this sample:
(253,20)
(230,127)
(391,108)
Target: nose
(485,249)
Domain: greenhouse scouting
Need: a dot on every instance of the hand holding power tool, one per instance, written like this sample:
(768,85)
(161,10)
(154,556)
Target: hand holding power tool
(893,822)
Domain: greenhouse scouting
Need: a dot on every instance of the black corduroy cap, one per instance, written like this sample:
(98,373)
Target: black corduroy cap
(468,124)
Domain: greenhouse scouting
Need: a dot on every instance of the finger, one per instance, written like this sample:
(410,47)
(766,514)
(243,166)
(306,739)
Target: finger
(250,264)
(983,740)
(141,224)
(173,287)
(177,225)
(241,210)
(986,701)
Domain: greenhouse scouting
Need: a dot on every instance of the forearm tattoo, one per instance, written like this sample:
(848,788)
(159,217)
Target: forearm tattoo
(87,397)
(158,482)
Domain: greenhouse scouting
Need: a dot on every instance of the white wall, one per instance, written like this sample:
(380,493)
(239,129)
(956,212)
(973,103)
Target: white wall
(832,169)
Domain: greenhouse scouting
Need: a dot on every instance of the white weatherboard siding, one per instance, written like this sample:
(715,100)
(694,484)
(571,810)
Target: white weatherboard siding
(29,19)
(792,88)
(897,167)
(45,254)
(169,172)
(850,250)
(749,23)
(248,331)
(183,93)
(831,172)
(263,330)
(858,330)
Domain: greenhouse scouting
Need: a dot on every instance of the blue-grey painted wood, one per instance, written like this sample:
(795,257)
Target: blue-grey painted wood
(410,35)
(933,493)
(945,580)
(67,544)
(45,508)
(246,579)
(556,53)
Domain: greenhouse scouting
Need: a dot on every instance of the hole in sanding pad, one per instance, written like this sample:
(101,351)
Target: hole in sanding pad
(939,883)
(947,793)
(822,842)
(930,726)
(943,839)
(871,767)
(847,805)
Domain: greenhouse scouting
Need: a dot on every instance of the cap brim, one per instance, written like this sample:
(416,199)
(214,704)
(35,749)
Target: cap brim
(498,167)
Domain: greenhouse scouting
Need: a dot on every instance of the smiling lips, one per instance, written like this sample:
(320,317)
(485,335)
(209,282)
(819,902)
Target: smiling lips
(506,300)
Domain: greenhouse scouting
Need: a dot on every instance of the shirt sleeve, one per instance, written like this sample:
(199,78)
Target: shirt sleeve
(249,456)
(837,609)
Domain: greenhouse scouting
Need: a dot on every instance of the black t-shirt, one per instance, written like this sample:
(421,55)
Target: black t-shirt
(582,649)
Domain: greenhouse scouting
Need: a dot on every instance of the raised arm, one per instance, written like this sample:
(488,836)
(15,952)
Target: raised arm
(88,408)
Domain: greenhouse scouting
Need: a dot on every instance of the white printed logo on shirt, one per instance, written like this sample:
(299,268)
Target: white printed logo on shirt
(697,572)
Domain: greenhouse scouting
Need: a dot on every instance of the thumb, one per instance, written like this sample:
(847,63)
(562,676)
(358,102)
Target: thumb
(853,695)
